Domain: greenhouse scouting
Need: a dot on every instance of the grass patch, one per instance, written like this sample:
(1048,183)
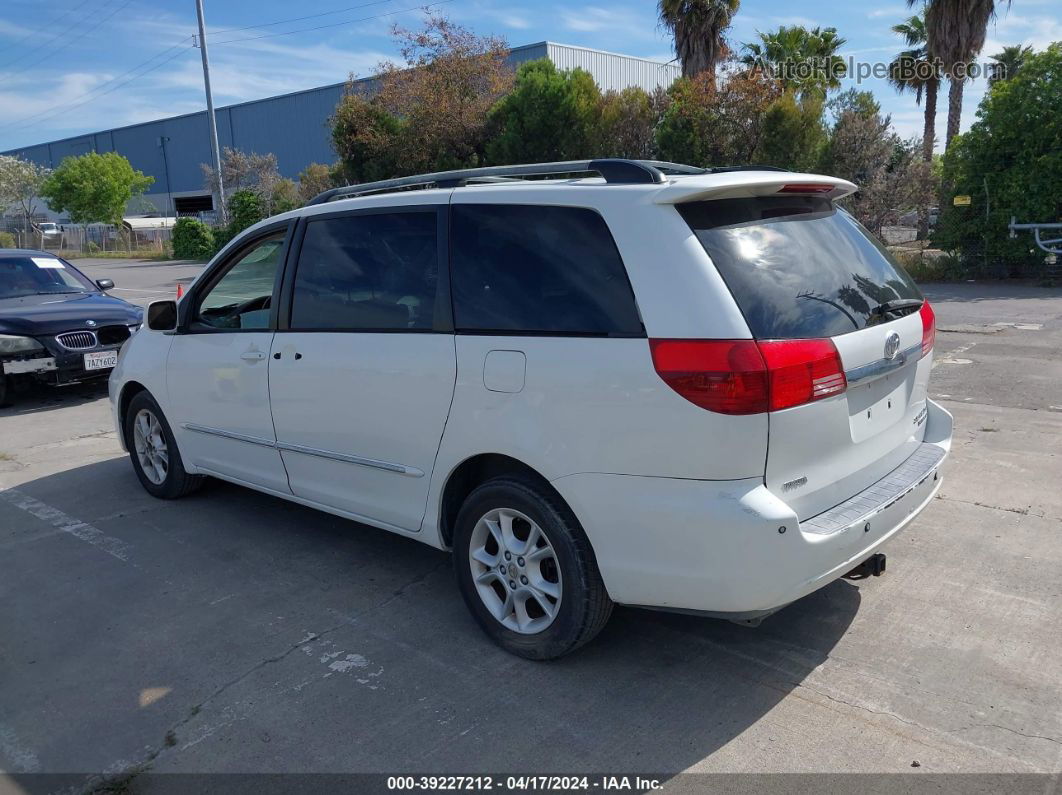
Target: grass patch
(6,456)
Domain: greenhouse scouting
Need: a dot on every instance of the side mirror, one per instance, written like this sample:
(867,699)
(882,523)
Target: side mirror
(105,284)
(162,315)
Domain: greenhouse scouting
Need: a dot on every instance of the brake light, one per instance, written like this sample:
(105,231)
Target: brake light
(806,187)
(727,376)
(929,327)
(749,377)
(802,371)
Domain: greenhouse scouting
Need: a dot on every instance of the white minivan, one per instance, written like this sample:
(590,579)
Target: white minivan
(596,382)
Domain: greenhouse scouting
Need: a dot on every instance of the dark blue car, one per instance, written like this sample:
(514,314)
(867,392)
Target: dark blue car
(56,325)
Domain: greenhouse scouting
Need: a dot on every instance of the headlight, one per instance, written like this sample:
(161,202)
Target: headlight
(11,344)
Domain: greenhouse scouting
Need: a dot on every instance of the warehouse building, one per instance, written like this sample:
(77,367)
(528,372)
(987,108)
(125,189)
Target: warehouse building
(293,126)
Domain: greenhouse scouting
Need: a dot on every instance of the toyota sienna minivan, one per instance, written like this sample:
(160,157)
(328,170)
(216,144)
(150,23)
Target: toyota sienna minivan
(597,382)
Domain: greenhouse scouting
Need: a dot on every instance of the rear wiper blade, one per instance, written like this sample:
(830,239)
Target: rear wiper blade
(899,305)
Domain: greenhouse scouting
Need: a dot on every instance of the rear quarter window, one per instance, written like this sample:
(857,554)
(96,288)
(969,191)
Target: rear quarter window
(538,269)
(798,266)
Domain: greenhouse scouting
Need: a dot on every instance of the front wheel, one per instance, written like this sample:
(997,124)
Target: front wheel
(153,451)
(526,570)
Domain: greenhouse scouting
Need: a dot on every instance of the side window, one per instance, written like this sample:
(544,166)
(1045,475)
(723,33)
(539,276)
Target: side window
(241,298)
(377,271)
(542,269)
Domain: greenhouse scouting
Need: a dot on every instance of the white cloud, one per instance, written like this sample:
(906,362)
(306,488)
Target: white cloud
(899,12)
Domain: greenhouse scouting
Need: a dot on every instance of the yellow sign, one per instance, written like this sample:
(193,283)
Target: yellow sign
(962,201)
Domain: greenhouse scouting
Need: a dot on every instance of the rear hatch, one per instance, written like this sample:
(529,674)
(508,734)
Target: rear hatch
(800,268)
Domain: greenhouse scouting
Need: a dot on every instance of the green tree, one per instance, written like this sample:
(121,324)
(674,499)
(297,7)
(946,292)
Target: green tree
(20,183)
(285,196)
(192,239)
(890,173)
(1014,151)
(627,123)
(793,133)
(913,70)
(805,61)
(367,139)
(93,187)
(707,125)
(955,34)
(316,178)
(1008,62)
(549,115)
(854,100)
(699,28)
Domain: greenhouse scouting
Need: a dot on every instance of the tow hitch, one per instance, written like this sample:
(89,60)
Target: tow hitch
(874,566)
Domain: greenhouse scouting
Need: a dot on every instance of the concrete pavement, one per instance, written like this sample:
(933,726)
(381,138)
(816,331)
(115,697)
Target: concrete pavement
(236,632)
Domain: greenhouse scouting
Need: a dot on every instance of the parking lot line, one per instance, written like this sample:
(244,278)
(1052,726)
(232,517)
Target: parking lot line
(68,524)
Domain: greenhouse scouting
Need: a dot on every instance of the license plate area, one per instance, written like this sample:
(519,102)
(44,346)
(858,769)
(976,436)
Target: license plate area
(42,365)
(879,404)
(101,360)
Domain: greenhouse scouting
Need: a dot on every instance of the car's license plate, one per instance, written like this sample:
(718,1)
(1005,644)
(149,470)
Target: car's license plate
(101,360)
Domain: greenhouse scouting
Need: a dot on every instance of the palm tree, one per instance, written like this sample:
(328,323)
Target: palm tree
(805,61)
(698,27)
(1008,62)
(956,31)
(913,70)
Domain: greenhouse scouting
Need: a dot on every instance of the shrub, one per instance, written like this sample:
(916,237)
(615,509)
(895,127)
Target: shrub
(7,240)
(92,247)
(192,239)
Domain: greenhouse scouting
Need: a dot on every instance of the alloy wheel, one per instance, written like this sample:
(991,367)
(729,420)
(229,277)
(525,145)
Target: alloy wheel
(150,444)
(515,571)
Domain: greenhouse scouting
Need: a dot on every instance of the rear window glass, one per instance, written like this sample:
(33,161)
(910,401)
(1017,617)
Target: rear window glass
(798,266)
(535,269)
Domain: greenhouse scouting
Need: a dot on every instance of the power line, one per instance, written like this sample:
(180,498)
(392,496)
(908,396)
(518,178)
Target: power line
(334,24)
(77,38)
(298,19)
(50,113)
(43,28)
(59,110)
(95,92)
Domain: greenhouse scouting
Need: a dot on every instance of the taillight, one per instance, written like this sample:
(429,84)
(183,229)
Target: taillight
(749,377)
(929,327)
(802,371)
(727,376)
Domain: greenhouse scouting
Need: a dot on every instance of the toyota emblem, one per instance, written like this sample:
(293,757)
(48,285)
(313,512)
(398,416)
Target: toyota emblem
(892,345)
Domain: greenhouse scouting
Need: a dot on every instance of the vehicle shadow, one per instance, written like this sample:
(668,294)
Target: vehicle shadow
(346,647)
(33,397)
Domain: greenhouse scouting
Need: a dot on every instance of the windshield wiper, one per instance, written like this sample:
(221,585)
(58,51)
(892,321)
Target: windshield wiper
(898,305)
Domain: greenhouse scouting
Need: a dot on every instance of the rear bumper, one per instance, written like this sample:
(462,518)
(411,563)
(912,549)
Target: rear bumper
(733,548)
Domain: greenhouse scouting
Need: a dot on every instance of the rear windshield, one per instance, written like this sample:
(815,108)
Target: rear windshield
(799,267)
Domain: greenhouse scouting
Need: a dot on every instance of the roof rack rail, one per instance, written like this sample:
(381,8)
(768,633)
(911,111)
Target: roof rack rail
(727,169)
(614,170)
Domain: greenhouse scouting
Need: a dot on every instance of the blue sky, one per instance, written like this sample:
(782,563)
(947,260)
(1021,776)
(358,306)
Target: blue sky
(63,63)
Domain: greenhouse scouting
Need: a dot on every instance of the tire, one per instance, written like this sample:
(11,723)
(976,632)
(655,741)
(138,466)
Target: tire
(5,389)
(561,562)
(168,481)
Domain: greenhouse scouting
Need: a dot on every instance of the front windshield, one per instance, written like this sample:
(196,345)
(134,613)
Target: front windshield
(24,275)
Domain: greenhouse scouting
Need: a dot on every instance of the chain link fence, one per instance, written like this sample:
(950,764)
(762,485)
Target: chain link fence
(90,239)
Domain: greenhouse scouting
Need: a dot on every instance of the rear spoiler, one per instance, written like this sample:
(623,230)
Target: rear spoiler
(744,185)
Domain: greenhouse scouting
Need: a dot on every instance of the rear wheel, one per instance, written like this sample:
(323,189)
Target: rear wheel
(153,451)
(3,389)
(526,570)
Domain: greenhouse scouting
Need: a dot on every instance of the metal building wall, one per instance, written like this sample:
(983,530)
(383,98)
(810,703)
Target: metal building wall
(294,126)
(612,71)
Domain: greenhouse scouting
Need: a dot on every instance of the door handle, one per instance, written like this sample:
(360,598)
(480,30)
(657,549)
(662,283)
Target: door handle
(252,356)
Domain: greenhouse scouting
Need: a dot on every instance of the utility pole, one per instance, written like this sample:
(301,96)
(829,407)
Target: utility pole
(219,196)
